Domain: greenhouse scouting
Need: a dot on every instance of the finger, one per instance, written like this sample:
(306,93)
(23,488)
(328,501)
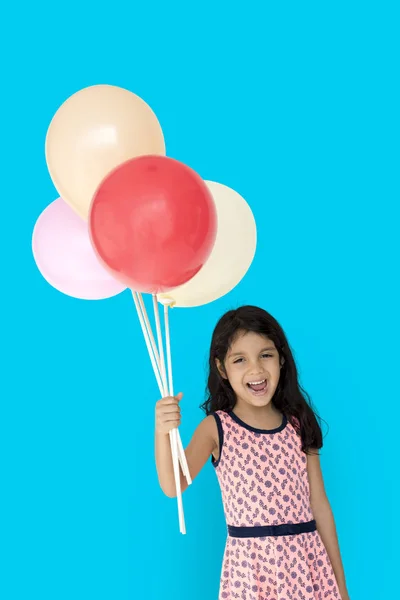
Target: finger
(171,424)
(168,400)
(169,408)
(179,396)
(169,416)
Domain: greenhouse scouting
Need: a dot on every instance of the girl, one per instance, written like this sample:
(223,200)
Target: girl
(263,438)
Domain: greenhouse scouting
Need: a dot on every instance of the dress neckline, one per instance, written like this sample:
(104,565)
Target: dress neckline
(253,429)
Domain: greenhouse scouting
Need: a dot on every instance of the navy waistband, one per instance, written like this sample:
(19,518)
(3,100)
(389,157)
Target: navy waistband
(272,530)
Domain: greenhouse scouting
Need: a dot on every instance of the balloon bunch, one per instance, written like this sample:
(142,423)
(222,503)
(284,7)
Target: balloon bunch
(131,217)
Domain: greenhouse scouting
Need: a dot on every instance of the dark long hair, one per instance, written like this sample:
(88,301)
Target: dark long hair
(289,397)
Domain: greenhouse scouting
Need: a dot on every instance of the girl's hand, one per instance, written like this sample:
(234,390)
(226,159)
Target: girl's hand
(168,414)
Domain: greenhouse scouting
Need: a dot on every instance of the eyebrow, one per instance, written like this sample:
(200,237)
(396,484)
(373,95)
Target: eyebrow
(269,348)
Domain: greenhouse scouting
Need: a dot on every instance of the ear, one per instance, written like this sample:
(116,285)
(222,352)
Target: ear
(221,368)
(282,362)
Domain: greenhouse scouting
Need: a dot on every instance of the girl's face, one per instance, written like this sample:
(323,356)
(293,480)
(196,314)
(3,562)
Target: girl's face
(252,367)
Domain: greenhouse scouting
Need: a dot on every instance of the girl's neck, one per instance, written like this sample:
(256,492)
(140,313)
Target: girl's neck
(260,417)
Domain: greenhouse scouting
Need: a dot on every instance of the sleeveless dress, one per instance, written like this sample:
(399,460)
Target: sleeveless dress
(273,549)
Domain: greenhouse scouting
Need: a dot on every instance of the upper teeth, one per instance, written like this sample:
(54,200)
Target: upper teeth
(256,382)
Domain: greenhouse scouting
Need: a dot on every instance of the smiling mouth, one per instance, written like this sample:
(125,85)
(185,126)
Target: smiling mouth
(258,388)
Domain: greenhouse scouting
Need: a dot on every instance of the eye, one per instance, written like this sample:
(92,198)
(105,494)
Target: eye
(238,360)
(267,355)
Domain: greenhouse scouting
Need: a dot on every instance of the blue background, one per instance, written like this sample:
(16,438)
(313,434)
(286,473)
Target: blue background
(295,106)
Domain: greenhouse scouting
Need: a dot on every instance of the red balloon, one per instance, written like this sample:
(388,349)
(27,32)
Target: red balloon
(153,223)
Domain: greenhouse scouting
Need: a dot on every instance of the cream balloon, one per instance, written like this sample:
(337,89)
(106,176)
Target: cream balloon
(94,131)
(231,257)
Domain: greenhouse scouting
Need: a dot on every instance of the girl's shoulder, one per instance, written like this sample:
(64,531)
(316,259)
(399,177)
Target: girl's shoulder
(217,425)
(217,419)
(220,417)
(210,426)
(219,413)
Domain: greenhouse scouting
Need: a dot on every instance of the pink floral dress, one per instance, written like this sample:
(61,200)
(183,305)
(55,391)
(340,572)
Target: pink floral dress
(273,549)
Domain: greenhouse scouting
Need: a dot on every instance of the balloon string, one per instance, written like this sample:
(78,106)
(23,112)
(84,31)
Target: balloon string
(181,450)
(146,335)
(172,433)
(152,349)
(168,345)
(149,331)
(160,345)
(153,352)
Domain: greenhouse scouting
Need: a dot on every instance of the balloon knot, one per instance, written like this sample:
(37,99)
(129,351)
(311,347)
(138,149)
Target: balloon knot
(167,301)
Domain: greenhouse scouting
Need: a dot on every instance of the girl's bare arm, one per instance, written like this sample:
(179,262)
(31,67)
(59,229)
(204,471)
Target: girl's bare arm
(323,516)
(203,443)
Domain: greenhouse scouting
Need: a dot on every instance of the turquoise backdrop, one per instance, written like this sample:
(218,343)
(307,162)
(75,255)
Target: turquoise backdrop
(296,106)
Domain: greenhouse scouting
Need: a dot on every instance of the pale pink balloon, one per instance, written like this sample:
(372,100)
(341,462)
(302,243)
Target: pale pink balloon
(65,257)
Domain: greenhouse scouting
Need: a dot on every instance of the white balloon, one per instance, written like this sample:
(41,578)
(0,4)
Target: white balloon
(231,257)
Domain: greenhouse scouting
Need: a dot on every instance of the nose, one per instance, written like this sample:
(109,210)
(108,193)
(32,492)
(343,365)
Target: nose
(255,367)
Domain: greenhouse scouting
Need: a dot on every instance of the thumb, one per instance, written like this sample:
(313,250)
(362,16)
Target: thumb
(179,396)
